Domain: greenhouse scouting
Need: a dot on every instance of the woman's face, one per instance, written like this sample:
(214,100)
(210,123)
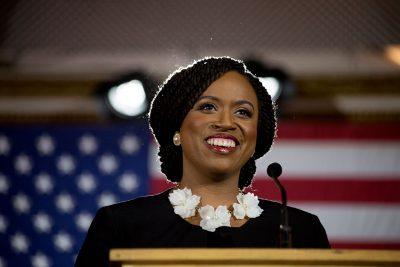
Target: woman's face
(219,133)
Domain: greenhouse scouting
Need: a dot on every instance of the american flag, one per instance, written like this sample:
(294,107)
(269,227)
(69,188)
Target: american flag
(52,181)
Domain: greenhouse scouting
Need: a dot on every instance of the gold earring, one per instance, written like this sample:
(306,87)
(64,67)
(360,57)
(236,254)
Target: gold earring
(176,139)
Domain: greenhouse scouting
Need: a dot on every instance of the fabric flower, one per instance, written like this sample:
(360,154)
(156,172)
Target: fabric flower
(247,206)
(184,202)
(185,205)
(212,219)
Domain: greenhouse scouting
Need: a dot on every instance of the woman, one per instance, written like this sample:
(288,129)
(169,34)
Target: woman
(211,120)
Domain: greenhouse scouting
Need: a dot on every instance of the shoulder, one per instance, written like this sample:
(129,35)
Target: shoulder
(273,207)
(128,215)
(137,205)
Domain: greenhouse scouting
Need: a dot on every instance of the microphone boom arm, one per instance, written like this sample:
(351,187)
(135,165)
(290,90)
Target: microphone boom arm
(285,231)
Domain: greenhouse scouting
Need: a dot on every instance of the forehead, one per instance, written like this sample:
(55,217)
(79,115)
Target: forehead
(232,85)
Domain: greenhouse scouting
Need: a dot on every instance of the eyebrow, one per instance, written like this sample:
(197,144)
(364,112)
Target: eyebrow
(238,102)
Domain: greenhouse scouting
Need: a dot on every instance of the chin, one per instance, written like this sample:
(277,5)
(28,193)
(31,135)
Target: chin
(223,168)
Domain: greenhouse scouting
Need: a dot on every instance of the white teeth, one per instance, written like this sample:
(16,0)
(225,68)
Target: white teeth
(221,142)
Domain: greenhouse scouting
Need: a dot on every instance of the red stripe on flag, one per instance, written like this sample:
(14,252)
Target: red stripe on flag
(338,130)
(320,190)
(159,185)
(362,191)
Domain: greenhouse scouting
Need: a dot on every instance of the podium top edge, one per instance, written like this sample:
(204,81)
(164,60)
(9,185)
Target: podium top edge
(256,255)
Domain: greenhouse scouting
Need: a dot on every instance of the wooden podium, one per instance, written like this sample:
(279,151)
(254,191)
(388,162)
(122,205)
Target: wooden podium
(253,257)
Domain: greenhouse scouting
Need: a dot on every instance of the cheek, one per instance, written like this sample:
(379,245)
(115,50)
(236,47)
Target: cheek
(252,135)
(191,128)
(197,124)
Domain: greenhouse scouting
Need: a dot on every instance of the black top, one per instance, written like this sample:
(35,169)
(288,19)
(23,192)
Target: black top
(150,222)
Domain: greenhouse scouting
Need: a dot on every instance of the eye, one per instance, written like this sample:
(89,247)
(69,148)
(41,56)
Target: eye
(207,107)
(243,112)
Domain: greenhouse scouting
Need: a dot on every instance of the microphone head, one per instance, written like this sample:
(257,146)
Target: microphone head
(274,170)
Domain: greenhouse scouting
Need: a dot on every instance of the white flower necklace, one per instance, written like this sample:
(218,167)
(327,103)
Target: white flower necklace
(185,205)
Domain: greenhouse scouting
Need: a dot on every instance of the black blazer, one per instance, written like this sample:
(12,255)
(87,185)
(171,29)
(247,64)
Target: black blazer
(150,222)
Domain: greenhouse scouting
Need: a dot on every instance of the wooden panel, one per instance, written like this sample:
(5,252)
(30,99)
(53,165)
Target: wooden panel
(250,257)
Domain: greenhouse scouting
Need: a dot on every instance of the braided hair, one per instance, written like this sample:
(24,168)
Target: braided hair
(177,96)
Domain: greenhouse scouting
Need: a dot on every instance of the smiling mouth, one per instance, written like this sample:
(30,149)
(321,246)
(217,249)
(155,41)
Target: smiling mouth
(222,145)
(222,142)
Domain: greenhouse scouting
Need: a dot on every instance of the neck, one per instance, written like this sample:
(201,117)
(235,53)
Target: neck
(212,192)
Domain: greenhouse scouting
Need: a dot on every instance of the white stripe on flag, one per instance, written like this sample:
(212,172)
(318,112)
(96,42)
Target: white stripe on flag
(334,159)
(357,222)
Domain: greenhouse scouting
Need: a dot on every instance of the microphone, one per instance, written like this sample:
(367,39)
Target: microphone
(274,170)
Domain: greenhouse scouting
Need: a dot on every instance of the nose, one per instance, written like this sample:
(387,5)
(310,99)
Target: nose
(224,121)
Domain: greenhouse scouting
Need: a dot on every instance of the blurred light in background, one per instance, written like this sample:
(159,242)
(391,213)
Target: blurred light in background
(275,80)
(272,85)
(128,99)
(392,52)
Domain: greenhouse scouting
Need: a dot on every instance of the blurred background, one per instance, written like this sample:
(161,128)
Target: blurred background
(76,78)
